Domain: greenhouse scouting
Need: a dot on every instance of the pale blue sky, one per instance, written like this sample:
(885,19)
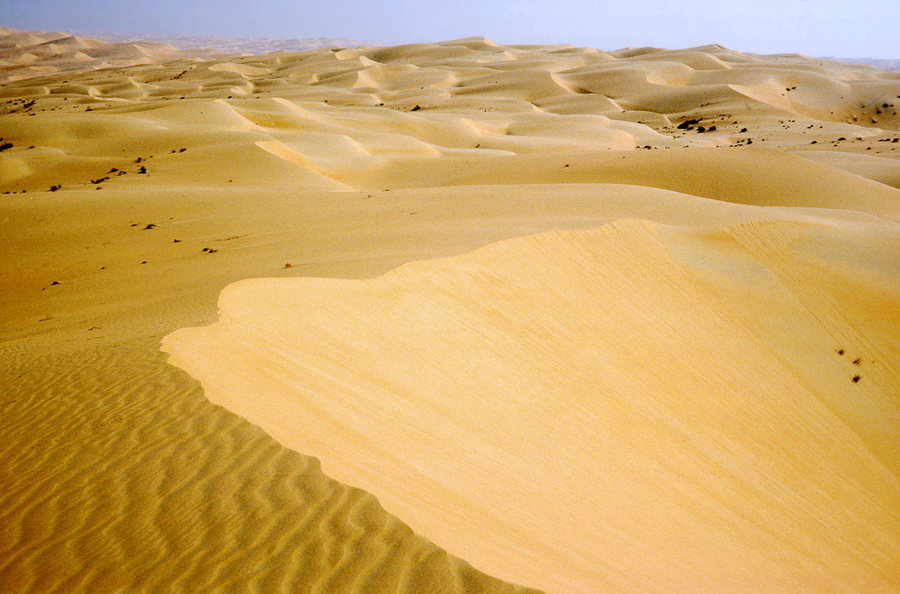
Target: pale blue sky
(844,28)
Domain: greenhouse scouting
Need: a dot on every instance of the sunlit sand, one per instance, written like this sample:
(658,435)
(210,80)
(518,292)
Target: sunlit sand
(451,317)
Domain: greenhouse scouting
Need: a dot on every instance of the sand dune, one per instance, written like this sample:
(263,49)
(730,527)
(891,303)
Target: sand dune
(25,55)
(879,169)
(469,101)
(233,45)
(229,509)
(595,390)
(581,320)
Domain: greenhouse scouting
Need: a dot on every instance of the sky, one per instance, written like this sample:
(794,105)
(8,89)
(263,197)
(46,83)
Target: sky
(821,28)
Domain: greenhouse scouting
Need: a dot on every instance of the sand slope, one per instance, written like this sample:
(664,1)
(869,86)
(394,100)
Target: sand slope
(25,55)
(582,412)
(232,45)
(734,264)
(340,119)
(132,480)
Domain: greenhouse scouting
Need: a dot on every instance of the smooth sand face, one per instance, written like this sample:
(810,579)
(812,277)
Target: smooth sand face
(598,409)
(675,372)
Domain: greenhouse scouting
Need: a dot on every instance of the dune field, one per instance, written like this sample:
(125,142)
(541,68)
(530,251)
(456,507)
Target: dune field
(449,317)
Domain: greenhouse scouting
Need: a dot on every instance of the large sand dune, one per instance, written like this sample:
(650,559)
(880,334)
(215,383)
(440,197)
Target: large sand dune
(25,55)
(618,321)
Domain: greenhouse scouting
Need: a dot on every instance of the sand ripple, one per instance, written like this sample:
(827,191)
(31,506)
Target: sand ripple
(118,475)
(685,382)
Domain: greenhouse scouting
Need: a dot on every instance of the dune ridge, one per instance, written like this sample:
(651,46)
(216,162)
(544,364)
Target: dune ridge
(594,391)
(25,55)
(233,45)
(740,210)
(80,522)
(455,100)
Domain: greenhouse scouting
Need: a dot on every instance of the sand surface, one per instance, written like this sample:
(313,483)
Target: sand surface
(538,324)
(236,45)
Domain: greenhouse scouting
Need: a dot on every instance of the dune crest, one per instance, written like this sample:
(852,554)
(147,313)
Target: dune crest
(592,410)
(458,100)
(672,369)
(27,55)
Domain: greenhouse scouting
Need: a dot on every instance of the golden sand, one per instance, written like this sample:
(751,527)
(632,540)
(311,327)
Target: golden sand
(513,294)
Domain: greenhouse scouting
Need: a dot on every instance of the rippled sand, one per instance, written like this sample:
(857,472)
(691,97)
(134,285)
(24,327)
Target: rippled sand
(588,320)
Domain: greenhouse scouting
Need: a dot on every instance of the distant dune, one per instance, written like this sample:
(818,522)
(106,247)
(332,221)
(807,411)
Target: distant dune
(882,63)
(233,45)
(26,54)
(30,54)
(446,317)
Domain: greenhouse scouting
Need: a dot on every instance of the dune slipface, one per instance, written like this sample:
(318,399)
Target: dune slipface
(631,408)
(672,369)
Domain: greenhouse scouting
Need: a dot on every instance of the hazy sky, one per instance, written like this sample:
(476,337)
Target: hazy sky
(844,28)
